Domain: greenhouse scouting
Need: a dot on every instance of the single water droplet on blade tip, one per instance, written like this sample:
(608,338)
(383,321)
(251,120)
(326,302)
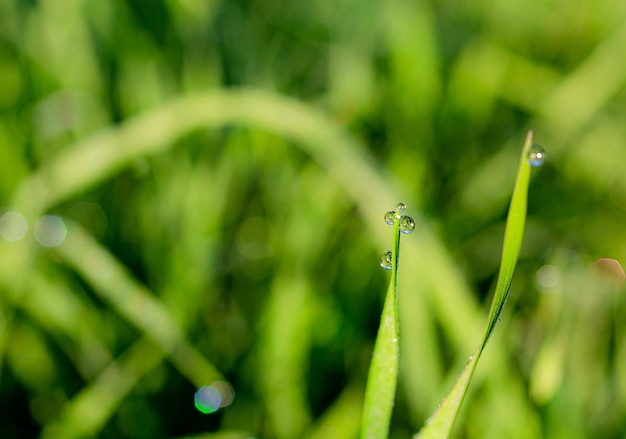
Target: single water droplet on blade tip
(401,207)
(386,260)
(390,217)
(407,225)
(536,155)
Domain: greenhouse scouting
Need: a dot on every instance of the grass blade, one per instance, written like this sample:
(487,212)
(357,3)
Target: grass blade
(383,374)
(439,425)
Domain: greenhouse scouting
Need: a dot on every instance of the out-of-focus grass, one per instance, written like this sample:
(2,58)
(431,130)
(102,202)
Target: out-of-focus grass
(248,222)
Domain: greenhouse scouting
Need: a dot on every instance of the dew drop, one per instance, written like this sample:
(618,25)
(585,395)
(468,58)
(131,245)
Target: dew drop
(407,225)
(386,260)
(401,207)
(394,340)
(390,217)
(536,155)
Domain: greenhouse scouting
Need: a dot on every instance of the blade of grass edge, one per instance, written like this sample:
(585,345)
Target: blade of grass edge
(440,424)
(383,374)
(513,235)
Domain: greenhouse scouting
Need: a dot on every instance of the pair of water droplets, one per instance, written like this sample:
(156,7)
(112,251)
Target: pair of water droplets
(536,157)
(406,225)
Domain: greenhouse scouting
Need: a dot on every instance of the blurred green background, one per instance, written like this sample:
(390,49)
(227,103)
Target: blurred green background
(194,191)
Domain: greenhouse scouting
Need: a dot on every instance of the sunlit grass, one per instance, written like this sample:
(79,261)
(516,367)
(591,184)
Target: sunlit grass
(380,393)
(440,424)
(238,158)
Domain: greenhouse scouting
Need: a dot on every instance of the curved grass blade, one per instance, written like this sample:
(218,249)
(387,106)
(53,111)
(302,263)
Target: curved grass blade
(439,425)
(383,374)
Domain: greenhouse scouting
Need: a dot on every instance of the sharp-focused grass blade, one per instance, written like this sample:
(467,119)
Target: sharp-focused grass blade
(439,425)
(383,373)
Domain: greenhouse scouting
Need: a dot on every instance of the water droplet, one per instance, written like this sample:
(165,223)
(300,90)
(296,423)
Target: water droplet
(407,225)
(390,217)
(401,207)
(394,340)
(386,260)
(536,155)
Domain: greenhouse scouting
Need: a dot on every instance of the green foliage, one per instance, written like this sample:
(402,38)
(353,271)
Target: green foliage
(382,378)
(440,424)
(220,170)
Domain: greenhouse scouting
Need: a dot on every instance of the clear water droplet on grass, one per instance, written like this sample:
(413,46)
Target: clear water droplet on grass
(536,155)
(390,217)
(386,260)
(407,225)
(401,207)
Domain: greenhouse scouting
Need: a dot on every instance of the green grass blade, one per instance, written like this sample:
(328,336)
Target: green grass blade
(440,424)
(383,374)
(513,234)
